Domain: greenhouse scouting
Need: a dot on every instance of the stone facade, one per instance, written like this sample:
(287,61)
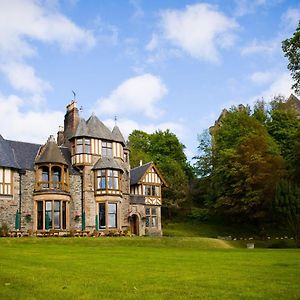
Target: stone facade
(80,182)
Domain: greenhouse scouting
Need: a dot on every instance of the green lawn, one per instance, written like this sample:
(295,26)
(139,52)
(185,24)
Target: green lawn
(144,268)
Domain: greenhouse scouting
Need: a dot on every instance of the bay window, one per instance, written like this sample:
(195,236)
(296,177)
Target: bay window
(108,179)
(83,145)
(106,149)
(51,214)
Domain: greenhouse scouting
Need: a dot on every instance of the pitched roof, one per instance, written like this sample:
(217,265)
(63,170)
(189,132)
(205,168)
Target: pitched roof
(117,135)
(137,173)
(107,163)
(82,129)
(50,153)
(7,155)
(294,103)
(97,129)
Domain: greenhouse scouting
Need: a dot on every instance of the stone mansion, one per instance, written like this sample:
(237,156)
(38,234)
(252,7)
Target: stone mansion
(82,181)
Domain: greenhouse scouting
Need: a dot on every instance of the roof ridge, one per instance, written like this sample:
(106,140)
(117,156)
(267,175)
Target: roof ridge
(150,162)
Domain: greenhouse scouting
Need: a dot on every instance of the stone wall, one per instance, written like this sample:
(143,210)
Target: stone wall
(75,204)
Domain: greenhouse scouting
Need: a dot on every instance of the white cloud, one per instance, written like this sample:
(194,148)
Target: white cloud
(138,11)
(139,94)
(262,77)
(280,86)
(291,18)
(153,43)
(200,30)
(264,47)
(245,7)
(23,23)
(30,126)
(23,78)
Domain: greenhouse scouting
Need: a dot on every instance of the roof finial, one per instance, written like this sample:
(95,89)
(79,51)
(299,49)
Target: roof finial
(74,95)
(116,119)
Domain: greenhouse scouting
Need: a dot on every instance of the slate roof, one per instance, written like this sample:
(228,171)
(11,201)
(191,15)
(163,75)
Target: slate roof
(97,129)
(82,129)
(107,163)
(137,173)
(50,153)
(7,155)
(117,135)
(25,153)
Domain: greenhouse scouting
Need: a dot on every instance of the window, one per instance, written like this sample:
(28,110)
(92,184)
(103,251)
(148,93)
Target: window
(107,179)
(51,214)
(107,215)
(45,177)
(151,190)
(56,177)
(151,216)
(106,149)
(112,215)
(83,145)
(5,181)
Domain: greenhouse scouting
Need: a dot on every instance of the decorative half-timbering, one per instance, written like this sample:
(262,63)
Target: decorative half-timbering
(81,181)
(145,199)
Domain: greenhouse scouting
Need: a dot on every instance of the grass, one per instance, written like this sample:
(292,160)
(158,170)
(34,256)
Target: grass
(144,268)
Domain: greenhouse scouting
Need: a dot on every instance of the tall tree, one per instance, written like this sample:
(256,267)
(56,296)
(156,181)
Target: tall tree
(291,49)
(166,151)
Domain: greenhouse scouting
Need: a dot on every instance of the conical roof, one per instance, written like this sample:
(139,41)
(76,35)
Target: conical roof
(7,157)
(50,153)
(117,135)
(97,129)
(82,129)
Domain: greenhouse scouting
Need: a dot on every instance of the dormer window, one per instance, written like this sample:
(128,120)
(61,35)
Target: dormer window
(108,179)
(83,145)
(106,149)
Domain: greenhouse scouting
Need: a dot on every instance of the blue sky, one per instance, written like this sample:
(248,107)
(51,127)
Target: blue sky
(153,64)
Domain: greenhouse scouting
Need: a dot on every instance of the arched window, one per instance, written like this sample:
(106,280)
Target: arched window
(56,177)
(45,177)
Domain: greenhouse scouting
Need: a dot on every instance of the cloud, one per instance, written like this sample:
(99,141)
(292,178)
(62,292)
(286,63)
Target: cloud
(262,77)
(245,7)
(31,126)
(138,11)
(24,23)
(291,18)
(139,94)
(22,77)
(200,30)
(264,47)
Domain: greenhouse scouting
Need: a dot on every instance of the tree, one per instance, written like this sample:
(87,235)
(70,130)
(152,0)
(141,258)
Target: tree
(287,205)
(166,151)
(291,49)
(246,168)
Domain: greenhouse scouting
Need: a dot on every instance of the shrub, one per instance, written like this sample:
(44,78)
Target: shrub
(198,214)
(4,230)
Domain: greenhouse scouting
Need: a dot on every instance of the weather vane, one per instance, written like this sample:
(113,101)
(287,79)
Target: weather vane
(116,119)
(74,95)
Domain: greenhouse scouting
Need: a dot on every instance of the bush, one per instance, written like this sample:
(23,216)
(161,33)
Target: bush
(4,230)
(281,244)
(198,214)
